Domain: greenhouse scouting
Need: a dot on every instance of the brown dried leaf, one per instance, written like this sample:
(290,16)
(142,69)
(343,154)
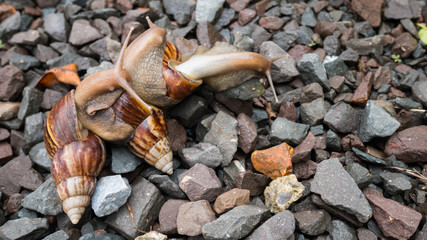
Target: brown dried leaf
(66,74)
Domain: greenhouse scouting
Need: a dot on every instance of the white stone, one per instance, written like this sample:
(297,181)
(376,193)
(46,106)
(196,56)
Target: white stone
(110,194)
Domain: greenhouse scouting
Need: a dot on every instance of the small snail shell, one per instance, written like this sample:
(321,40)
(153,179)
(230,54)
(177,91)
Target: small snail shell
(77,157)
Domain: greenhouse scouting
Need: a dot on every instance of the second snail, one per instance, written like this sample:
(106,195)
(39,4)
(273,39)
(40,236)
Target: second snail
(122,105)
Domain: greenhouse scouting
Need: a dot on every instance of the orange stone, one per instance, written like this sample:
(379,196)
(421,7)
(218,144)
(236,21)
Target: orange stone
(274,162)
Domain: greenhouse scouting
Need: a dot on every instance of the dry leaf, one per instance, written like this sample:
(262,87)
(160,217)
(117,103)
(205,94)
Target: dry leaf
(66,74)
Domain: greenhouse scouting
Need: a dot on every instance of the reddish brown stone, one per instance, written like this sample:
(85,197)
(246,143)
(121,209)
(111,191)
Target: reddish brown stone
(369,10)
(394,93)
(337,83)
(402,68)
(38,22)
(208,35)
(13,204)
(325,28)
(271,22)
(321,53)
(388,39)
(11,83)
(298,51)
(254,182)
(4,134)
(361,95)
(246,15)
(192,216)
(319,5)
(303,151)
(35,12)
(395,219)
(200,183)
(320,142)
(365,234)
(261,6)
(348,34)
(9,110)
(343,97)
(177,135)
(236,105)
(288,111)
(404,45)
(350,141)
(5,153)
(18,142)
(397,31)
(305,170)
(228,200)
(6,11)
(247,132)
(408,145)
(168,215)
(299,7)
(238,5)
(382,76)
(275,161)
(409,119)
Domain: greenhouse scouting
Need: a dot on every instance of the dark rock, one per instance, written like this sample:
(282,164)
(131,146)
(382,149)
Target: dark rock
(30,103)
(303,151)
(100,235)
(200,183)
(237,106)
(376,122)
(208,35)
(11,83)
(341,117)
(62,48)
(287,110)
(317,130)
(285,39)
(13,204)
(311,92)
(236,223)
(422,234)
(397,9)
(360,174)
(308,18)
(223,134)
(304,36)
(337,188)
(351,141)
(340,230)
(260,35)
(336,68)
(25,228)
(192,216)
(290,132)
(168,216)
(40,157)
(82,32)
(33,132)
(369,10)
(280,226)
(50,97)
(44,199)
(312,223)
(30,37)
(363,233)
(332,45)
(177,135)
(10,26)
(123,161)
(407,103)
(405,219)
(83,63)
(368,158)
(247,132)
(203,153)
(284,69)
(304,170)
(312,113)
(190,110)
(408,119)
(56,26)
(225,18)
(165,184)
(18,142)
(254,182)
(366,45)
(404,45)
(382,76)
(24,62)
(312,70)
(181,10)
(395,183)
(364,29)
(44,53)
(145,202)
(419,92)
(349,55)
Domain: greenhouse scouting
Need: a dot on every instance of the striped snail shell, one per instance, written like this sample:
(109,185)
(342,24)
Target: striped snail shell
(77,157)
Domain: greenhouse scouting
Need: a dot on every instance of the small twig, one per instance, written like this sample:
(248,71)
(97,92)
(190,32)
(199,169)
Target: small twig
(271,113)
(412,109)
(412,172)
(134,224)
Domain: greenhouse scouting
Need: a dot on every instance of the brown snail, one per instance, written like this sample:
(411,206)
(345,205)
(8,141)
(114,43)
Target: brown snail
(118,105)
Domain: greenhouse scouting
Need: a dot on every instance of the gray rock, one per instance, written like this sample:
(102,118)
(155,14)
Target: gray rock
(235,224)
(83,63)
(408,80)
(337,188)
(104,65)
(304,35)
(58,235)
(145,202)
(340,230)
(332,45)
(33,132)
(204,153)
(168,186)
(308,18)
(168,215)
(376,122)
(82,32)
(30,103)
(401,9)
(227,14)
(360,174)
(312,113)
(181,10)
(349,55)
(56,26)
(285,39)
(311,92)
(24,228)
(110,194)
(39,156)
(312,223)
(207,10)
(280,226)
(200,183)
(419,92)
(342,117)
(336,68)
(283,130)
(223,134)
(333,141)
(246,91)
(283,69)
(10,26)
(63,48)
(93,225)
(102,236)
(44,53)
(190,110)
(24,62)
(192,216)
(23,212)
(312,70)
(407,103)
(44,199)
(395,183)
(366,45)
(364,28)
(123,160)
(367,157)
(317,130)
(30,37)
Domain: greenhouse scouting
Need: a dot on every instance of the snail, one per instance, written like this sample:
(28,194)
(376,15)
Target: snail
(121,105)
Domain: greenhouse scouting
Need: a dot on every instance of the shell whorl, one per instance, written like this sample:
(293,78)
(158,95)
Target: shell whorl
(77,157)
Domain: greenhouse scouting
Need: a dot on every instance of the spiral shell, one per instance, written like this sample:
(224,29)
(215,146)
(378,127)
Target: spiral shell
(77,157)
